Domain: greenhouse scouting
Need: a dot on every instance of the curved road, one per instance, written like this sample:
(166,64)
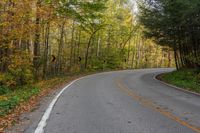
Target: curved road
(129,101)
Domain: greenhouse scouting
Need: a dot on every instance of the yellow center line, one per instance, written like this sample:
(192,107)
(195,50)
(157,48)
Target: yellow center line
(151,105)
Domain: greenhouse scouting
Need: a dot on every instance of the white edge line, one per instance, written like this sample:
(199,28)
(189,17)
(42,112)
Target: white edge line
(43,122)
(175,87)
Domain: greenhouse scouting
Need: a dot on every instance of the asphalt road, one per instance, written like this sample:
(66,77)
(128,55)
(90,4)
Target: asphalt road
(129,101)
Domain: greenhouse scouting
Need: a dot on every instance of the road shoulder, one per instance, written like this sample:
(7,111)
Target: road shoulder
(161,80)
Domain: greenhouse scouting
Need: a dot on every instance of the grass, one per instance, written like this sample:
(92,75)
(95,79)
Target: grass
(9,99)
(186,79)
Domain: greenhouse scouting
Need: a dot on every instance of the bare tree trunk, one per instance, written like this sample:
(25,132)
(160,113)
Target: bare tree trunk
(98,46)
(87,51)
(88,46)
(46,50)
(60,49)
(36,52)
(134,53)
(138,54)
(79,41)
(75,47)
(72,45)
(128,56)
(169,59)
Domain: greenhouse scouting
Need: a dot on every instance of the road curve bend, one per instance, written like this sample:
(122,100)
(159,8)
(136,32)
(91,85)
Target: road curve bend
(130,101)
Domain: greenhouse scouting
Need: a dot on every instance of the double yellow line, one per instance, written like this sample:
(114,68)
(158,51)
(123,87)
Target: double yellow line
(153,106)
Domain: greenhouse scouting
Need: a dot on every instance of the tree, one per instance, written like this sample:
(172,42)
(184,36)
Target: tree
(175,24)
(50,38)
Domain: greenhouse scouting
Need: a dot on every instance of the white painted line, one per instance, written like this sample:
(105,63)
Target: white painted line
(43,122)
(175,87)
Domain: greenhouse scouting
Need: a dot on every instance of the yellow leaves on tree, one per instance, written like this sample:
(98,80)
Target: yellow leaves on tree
(19,70)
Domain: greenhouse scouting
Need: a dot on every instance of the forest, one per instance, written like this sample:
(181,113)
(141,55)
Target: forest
(174,23)
(44,43)
(40,39)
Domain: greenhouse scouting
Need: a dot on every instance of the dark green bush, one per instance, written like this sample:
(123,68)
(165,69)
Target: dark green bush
(4,90)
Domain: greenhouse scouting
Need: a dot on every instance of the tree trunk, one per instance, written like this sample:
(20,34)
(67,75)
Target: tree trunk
(72,45)
(45,67)
(36,53)
(87,51)
(60,49)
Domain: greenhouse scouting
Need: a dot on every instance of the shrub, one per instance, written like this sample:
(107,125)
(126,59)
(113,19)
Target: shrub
(198,78)
(4,90)
(11,100)
(19,71)
(7,105)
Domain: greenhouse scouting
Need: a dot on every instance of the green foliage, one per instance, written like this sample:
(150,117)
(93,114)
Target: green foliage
(114,59)
(111,60)
(4,90)
(26,92)
(8,105)
(174,23)
(10,100)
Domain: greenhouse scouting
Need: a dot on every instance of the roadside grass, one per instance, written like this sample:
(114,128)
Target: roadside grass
(25,98)
(186,79)
(9,99)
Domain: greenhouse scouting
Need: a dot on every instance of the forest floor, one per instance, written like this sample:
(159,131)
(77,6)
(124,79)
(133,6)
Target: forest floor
(26,98)
(187,79)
